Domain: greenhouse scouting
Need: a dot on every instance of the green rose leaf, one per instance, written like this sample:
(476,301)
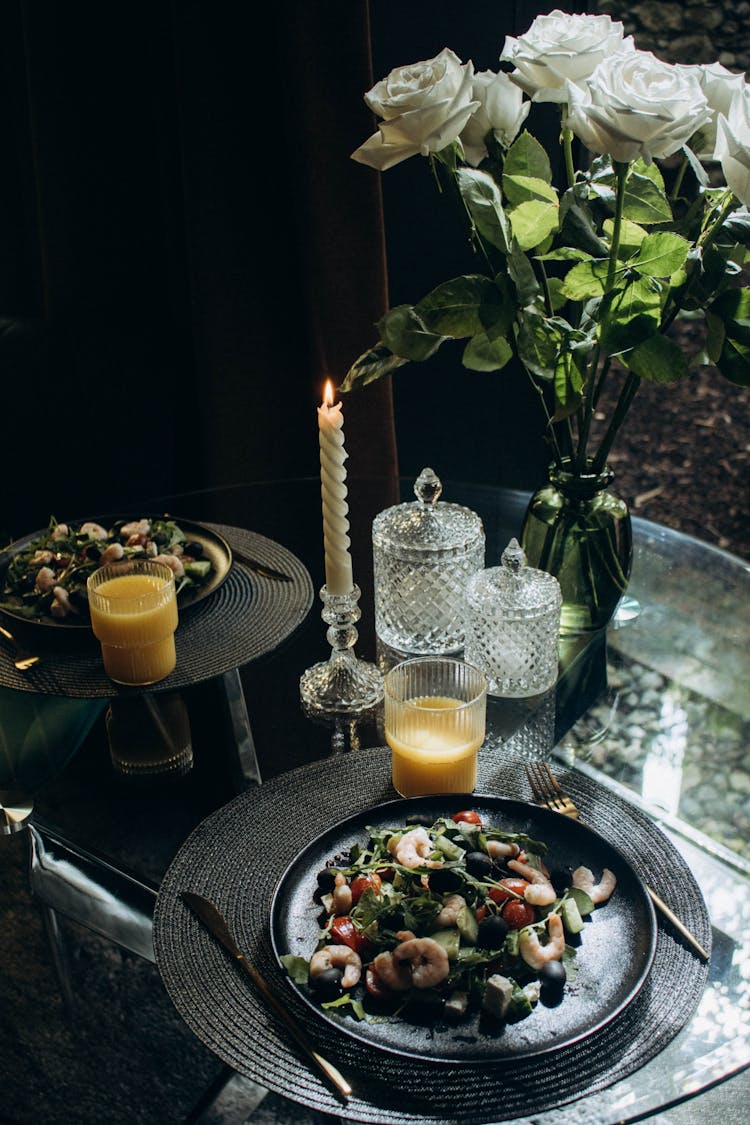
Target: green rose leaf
(464,306)
(577,226)
(631,236)
(526,157)
(585,280)
(658,360)
(733,309)
(521,273)
(520,189)
(715,335)
(532,222)
(402,331)
(481,195)
(487,352)
(538,345)
(629,314)
(568,387)
(371,365)
(645,200)
(660,254)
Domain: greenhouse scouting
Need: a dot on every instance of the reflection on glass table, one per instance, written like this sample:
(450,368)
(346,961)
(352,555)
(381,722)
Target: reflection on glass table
(660,713)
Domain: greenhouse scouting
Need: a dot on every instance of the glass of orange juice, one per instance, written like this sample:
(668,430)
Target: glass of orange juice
(435,711)
(133,608)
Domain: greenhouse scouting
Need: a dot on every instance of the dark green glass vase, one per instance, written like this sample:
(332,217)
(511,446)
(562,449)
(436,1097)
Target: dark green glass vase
(578,529)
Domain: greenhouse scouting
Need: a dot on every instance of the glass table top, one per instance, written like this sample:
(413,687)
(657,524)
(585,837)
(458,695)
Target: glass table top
(659,711)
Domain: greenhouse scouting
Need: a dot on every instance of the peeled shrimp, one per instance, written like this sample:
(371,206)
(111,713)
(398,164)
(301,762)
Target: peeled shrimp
(60,532)
(411,849)
(342,895)
(337,957)
(135,527)
(111,554)
(45,579)
(501,849)
(583,878)
(452,907)
(540,892)
(61,603)
(394,974)
(93,530)
(174,564)
(531,949)
(415,963)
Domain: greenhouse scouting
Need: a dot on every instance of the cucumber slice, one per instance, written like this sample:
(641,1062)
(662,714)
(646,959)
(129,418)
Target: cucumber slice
(450,941)
(571,916)
(467,925)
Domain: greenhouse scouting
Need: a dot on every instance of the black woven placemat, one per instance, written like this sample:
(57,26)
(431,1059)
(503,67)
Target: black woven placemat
(238,854)
(248,616)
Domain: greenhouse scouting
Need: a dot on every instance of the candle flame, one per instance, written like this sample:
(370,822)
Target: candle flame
(328,393)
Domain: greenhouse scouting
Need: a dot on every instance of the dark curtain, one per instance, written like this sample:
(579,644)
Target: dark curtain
(188,249)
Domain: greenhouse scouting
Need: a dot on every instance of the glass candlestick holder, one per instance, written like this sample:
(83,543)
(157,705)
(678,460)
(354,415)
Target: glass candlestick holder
(343,684)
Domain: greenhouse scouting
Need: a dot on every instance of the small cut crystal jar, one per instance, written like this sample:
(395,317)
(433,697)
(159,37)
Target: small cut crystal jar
(513,625)
(424,553)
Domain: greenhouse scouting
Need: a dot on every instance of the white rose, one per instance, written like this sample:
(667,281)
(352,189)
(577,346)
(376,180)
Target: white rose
(424,106)
(719,85)
(733,145)
(636,105)
(501,111)
(561,48)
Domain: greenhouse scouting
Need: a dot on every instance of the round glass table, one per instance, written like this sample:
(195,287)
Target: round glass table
(657,711)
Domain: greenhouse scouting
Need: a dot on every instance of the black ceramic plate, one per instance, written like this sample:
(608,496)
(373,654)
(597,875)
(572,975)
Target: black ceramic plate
(215,548)
(616,946)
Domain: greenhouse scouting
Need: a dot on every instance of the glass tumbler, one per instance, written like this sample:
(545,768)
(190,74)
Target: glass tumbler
(133,608)
(435,710)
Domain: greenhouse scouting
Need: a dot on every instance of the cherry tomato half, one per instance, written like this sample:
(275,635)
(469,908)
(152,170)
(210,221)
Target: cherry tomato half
(468,816)
(518,914)
(344,932)
(362,882)
(500,893)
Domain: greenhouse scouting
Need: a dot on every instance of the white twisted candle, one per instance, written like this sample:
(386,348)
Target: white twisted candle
(336,540)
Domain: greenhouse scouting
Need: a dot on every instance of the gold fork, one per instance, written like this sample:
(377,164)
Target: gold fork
(22,660)
(548,792)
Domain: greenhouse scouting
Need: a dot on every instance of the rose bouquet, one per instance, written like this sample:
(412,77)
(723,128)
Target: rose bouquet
(579,281)
(573,277)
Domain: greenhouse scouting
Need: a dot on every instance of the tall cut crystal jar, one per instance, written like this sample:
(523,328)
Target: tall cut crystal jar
(579,530)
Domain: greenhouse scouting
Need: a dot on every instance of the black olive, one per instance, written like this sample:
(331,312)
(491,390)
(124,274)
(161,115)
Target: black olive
(327,983)
(326,880)
(491,932)
(194,549)
(93,552)
(421,818)
(443,880)
(161,538)
(553,975)
(561,878)
(479,864)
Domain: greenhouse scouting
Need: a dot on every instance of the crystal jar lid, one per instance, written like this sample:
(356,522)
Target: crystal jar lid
(513,588)
(427,526)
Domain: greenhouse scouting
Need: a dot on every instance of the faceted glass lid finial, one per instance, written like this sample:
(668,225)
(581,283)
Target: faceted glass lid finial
(428,487)
(513,557)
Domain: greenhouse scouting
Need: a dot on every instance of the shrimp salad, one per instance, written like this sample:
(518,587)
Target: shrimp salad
(48,578)
(438,920)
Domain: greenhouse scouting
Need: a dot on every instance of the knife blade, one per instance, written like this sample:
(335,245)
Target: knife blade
(216,925)
(260,568)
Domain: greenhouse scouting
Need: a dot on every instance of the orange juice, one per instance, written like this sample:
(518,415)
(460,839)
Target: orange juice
(134,617)
(434,749)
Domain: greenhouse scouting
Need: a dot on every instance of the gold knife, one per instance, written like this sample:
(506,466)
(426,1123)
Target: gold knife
(217,926)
